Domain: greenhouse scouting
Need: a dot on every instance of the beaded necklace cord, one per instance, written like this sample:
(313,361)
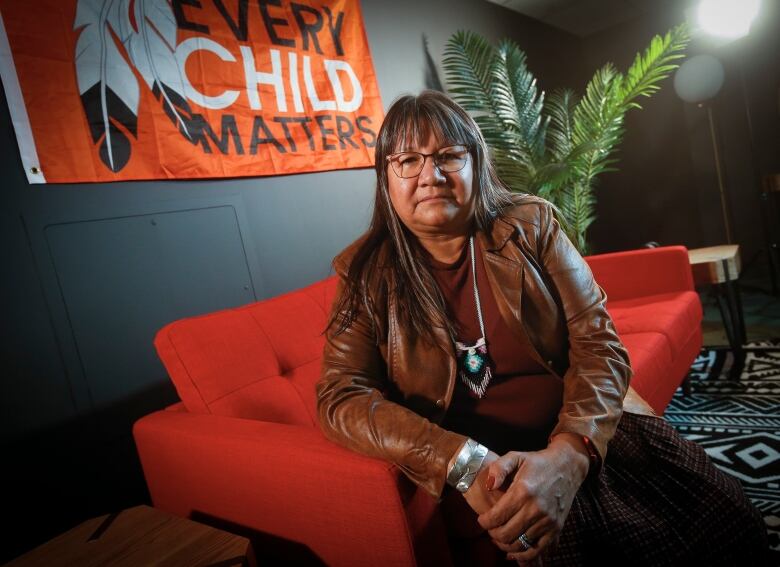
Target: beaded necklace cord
(474,363)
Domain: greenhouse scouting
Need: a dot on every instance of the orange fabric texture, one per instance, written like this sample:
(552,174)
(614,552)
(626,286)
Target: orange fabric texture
(258,361)
(158,89)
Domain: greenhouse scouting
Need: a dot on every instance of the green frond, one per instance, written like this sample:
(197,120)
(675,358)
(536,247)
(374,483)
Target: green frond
(578,207)
(470,67)
(596,111)
(555,147)
(598,121)
(526,102)
(512,171)
(559,172)
(550,178)
(494,133)
(559,107)
(467,61)
(497,86)
(654,64)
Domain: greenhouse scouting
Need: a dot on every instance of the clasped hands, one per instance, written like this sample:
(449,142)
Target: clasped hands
(528,493)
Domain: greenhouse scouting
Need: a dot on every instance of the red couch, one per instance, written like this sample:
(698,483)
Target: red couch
(243,445)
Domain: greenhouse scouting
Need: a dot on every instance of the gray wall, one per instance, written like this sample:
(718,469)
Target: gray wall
(91,271)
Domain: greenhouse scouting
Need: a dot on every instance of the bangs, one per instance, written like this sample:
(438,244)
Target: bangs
(415,121)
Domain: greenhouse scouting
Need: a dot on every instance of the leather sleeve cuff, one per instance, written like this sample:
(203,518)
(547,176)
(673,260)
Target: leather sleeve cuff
(595,459)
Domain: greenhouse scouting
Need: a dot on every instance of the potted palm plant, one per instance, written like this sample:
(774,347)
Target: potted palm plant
(555,146)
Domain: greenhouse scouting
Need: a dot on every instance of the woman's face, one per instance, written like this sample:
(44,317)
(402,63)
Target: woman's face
(433,202)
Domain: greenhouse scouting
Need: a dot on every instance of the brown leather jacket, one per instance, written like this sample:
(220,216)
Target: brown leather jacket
(384,394)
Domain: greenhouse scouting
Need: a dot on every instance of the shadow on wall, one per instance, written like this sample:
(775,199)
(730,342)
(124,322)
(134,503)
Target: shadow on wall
(432,79)
(59,477)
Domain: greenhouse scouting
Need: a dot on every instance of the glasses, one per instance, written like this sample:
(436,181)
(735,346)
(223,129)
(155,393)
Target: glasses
(410,164)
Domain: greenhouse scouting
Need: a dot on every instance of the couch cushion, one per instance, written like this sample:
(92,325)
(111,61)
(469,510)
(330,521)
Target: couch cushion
(676,315)
(651,359)
(288,398)
(642,272)
(257,361)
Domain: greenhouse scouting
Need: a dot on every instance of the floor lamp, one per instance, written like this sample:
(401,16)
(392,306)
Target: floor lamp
(725,21)
(698,80)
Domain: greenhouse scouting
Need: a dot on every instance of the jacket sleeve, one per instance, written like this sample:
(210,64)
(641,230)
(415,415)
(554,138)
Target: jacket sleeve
(354,413)
(599,368)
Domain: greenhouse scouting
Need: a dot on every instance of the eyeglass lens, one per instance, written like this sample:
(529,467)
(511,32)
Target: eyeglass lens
(449,159)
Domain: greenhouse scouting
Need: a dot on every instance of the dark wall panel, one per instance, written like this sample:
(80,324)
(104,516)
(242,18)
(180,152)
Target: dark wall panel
(122,279)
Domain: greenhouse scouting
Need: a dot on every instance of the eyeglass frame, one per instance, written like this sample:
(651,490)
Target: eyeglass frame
(425,157)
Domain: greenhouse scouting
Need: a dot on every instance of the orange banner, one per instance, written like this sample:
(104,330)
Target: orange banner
(112,90)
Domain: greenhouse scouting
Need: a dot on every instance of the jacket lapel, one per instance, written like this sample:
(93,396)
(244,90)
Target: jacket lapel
(506,274)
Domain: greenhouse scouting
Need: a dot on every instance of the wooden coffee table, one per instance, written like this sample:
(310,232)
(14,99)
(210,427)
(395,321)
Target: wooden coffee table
(141,536)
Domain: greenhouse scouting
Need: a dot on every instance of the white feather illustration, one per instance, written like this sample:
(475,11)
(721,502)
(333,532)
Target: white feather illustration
(108,88)
(152,50)
(146,30)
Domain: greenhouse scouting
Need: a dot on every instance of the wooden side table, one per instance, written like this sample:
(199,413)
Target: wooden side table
(141,536)
(719,266)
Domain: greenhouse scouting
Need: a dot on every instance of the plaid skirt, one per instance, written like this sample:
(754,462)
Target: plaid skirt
(658,500)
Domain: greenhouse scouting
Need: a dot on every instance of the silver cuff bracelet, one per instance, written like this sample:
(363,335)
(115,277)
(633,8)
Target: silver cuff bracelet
(467,465)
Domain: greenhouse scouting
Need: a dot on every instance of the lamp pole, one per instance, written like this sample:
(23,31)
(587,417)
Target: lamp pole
(719,172)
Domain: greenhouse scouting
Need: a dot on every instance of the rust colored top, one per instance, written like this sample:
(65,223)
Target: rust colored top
(522,400)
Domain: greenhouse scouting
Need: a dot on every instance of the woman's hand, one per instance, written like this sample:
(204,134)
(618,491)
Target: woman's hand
(480,495)
(539,497)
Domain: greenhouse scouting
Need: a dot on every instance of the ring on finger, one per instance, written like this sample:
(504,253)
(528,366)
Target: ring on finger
(525,541)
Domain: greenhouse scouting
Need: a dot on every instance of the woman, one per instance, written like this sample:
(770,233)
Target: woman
(470,346)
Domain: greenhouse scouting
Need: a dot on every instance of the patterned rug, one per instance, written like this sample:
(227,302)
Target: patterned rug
(738,423)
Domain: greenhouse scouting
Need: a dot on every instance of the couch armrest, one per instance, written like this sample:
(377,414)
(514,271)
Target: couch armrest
(646,271)
(287,481)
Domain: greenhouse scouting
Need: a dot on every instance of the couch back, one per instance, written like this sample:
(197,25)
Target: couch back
(262,360)
(258,361)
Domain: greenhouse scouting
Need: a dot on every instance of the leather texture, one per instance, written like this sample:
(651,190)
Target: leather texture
(384,393)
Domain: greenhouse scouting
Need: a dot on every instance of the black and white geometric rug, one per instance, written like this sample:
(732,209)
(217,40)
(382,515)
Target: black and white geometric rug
(738,423)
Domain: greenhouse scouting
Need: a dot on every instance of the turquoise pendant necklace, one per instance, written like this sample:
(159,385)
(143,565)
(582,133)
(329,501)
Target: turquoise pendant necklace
(474,364)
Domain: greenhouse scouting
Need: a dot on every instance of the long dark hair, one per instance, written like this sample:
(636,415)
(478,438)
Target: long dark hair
(422,307)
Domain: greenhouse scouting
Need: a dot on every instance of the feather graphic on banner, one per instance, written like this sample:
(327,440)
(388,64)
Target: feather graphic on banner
(146,30)
(108,88)
(149,36)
